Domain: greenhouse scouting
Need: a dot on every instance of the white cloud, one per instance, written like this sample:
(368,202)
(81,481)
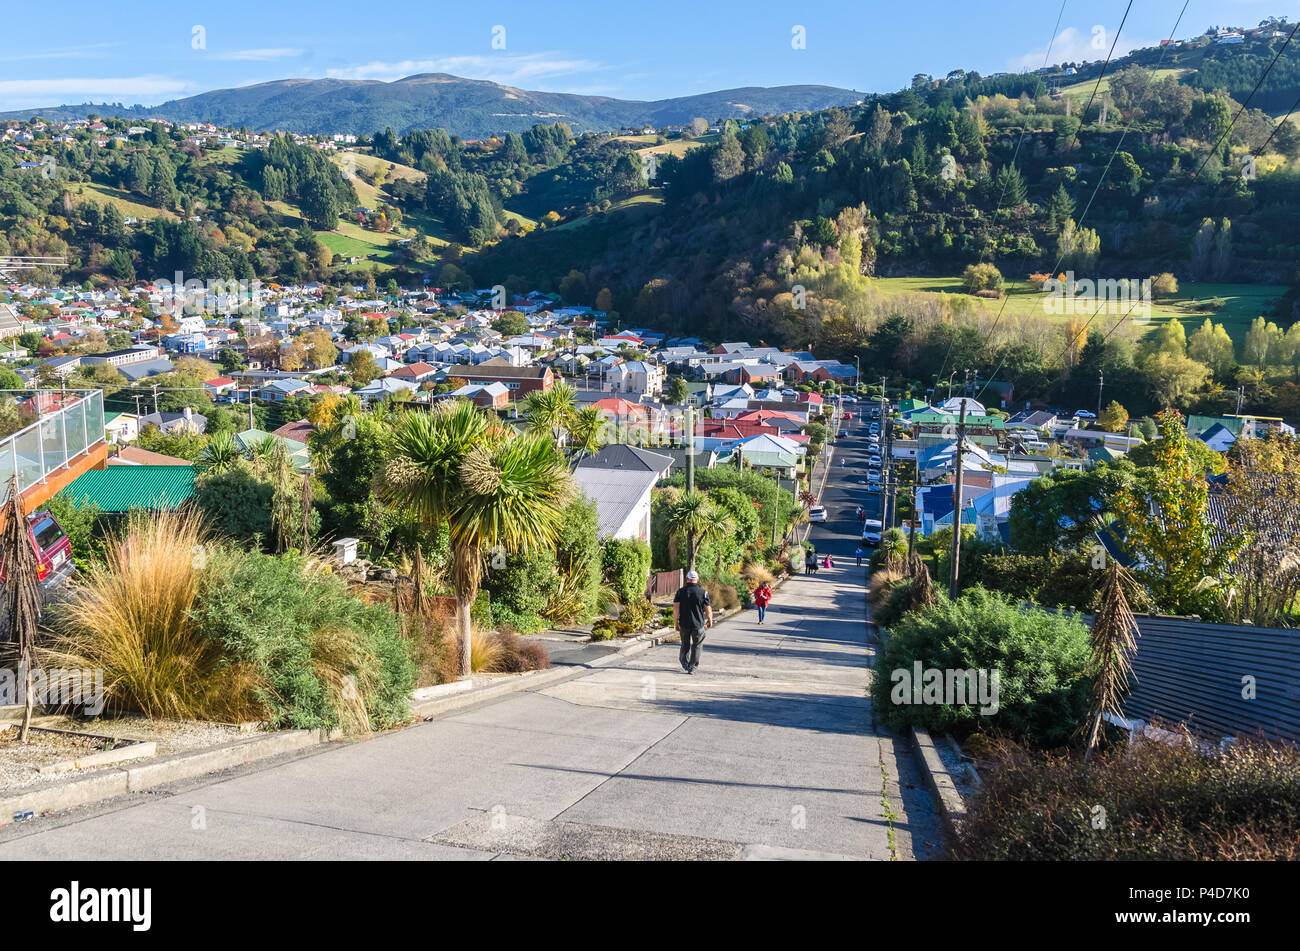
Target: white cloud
(38,93)
(261,55)
(66,52)
(1073,45)
(506,68)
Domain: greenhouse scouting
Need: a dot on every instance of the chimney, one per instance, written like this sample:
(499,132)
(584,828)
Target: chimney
(187,413)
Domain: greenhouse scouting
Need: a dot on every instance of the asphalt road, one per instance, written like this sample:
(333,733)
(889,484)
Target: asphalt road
(846,489)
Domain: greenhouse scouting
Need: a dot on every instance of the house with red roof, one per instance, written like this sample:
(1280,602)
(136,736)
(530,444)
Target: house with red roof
(415,372)
(218,385)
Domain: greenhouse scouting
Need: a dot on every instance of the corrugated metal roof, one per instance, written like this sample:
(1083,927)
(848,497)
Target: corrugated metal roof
(121,488)
(1193,671)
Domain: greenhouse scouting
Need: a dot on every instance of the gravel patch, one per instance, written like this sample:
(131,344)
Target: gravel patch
(19,764)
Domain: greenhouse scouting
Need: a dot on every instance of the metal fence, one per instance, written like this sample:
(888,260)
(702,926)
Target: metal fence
(68,423)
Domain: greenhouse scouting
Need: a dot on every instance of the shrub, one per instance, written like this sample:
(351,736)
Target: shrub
(517,654)
(636,614)
(981,277)
(1163,802)
(1164,285)
(626,565)
(315,646)
(604,630)
(129,617)
(882,585)
(1039,657)
(521,591)
(722,596)
(893,604)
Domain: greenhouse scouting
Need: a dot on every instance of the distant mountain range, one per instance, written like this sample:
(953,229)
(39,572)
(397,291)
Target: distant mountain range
(470,108)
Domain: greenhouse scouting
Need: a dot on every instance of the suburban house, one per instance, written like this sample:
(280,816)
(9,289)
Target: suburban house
(488,396)
(121,427)
(120,358)
(622,497)
(637,377)
(122,488)
(520,381)
(186,421)
(277,391)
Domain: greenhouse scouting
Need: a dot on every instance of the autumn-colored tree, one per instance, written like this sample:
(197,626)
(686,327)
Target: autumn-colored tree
(1114,418)
(1164,522)
(1261,504)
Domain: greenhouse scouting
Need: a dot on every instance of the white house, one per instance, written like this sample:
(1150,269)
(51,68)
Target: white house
(637,377)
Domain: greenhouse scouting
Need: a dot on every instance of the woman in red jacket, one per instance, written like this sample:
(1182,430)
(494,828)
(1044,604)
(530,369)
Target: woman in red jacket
(761,597)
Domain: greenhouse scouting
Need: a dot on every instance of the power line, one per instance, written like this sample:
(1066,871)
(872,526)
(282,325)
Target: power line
(1079,221)
(1285,119)
(1096,189)
(1242,107)
(1024,131)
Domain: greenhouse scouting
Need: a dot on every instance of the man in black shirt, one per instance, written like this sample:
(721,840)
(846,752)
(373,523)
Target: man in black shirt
(692,614)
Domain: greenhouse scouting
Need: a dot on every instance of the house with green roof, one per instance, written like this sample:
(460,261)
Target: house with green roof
(119,489)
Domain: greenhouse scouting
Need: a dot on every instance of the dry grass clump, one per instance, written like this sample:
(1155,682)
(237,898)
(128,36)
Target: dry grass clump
(129,616)
(882,584)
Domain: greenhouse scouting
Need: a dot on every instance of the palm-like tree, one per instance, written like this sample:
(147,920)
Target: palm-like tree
(587,431)
(495,490)
(220,454)
(696,517)
(550,411)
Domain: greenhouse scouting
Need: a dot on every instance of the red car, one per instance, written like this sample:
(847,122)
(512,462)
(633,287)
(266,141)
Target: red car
(54,564)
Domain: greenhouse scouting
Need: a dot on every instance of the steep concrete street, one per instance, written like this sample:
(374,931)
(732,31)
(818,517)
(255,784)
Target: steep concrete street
(768,751)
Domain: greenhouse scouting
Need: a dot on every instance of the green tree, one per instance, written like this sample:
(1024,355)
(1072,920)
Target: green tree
(497,493)
(1165,526)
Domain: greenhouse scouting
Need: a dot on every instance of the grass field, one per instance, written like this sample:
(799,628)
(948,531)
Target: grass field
(104,195)
(1085,88)
(1242,303)
(636,202)
(348,239)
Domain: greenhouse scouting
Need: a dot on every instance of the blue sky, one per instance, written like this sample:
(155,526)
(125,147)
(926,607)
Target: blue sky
(145,52)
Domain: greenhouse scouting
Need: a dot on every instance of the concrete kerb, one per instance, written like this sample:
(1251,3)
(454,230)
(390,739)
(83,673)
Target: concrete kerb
(116,782)
(426,703)
(947,799)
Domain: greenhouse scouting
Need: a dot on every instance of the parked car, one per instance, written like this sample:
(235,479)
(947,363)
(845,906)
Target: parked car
(871,537)
(1084,414)
(54,563)
(873,525)
(874,460)
(817,513)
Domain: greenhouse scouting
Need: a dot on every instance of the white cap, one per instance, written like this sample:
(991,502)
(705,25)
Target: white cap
(692,576)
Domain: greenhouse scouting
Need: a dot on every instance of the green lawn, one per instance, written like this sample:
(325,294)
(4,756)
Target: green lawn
(1085,88)
(640,201)
(1242,303)
(103,195)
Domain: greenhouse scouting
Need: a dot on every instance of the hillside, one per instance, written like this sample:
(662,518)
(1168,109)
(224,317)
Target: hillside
(470,108)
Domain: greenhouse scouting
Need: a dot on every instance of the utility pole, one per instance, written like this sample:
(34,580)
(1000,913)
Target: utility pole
(250,407)
(957,505)
(776,507)
(690,448)
(1101,382)
(155,397)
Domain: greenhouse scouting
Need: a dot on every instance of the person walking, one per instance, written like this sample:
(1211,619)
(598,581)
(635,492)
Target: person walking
(809,562)
(692,615)
(859,553)
(761,598)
